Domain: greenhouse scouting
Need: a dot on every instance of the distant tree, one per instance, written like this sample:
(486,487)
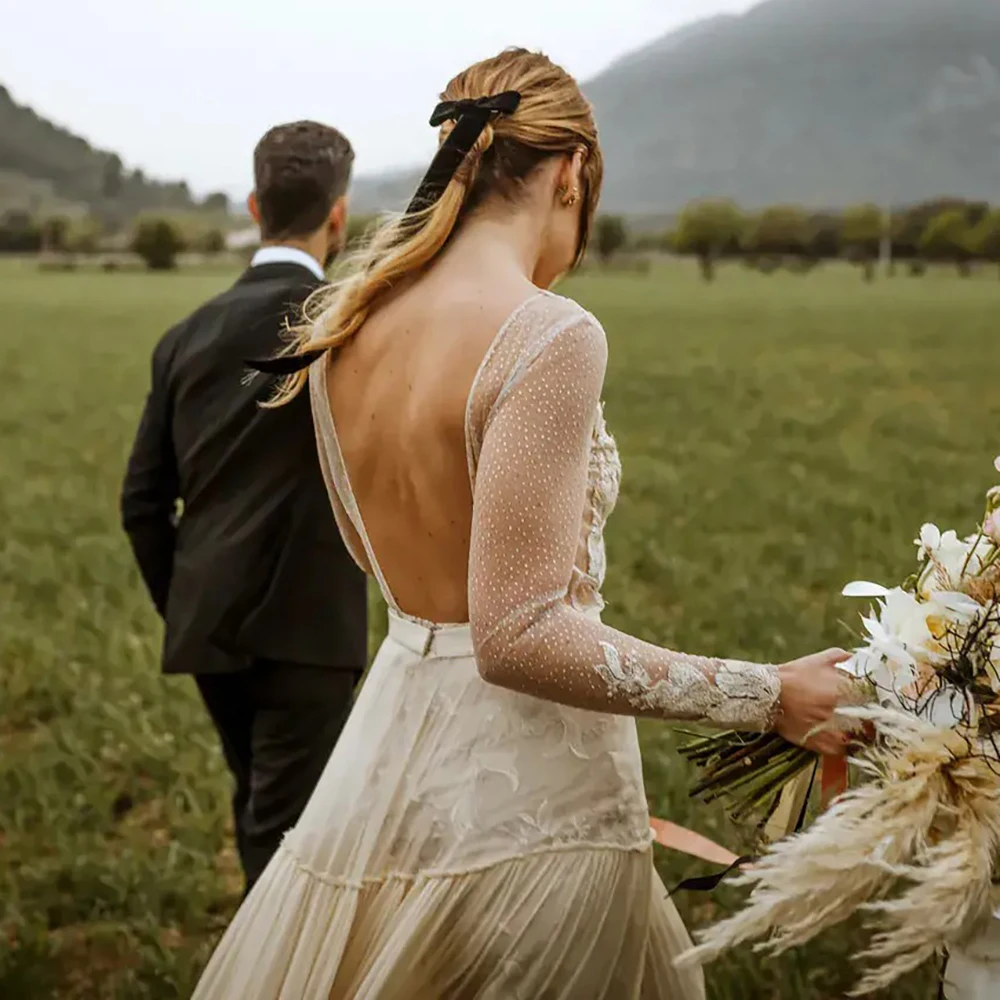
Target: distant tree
(780,231)
(84,236)
(709,230)
(157,242)
(861,236)
(112,177)
(218,201)
(55,234)
(908,226)
(824,229)
(19,233)
(976,211)
(212,242)
(610,236)
(984,239)
(948,238)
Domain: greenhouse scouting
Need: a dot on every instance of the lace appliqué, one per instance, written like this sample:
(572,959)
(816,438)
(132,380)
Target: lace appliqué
(604,475)
(725,693)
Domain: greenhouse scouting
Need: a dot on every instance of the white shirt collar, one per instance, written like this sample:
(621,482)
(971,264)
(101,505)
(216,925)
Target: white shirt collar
(287,255)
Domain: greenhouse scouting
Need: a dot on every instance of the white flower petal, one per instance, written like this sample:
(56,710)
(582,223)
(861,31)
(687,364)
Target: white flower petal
(864,588)
(959,606)
(945,709)
(855,666)
(930,536)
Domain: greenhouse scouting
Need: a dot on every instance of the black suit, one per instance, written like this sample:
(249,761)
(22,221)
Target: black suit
(260,598)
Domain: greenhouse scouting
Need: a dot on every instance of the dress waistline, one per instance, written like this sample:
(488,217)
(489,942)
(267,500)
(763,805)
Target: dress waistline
(429,640)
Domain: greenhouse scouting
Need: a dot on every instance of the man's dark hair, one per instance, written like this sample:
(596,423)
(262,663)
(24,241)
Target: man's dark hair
(300,170)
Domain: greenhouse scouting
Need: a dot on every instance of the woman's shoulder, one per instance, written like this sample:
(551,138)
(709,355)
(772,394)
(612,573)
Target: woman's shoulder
(567,311)
(545,318)
(545,329)
(550,342)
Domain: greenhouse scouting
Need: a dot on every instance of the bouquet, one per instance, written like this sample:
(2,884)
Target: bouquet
(915,845)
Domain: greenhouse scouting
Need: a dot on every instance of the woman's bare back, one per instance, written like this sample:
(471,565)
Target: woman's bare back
(398,393)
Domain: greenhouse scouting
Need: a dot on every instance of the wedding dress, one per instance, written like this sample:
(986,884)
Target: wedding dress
(481,830)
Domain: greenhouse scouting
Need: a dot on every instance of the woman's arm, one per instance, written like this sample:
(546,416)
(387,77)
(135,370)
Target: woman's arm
(530,487)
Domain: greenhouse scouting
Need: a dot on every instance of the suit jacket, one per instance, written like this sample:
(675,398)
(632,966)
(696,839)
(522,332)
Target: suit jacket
(224,502)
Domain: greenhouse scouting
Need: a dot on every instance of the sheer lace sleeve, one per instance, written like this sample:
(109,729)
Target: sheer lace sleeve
(533,418)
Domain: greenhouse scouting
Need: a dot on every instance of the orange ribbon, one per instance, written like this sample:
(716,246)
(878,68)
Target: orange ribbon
(679,838)
(833,780)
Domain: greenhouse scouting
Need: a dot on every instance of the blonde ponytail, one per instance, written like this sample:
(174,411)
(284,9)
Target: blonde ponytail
(552,117)
(399,247)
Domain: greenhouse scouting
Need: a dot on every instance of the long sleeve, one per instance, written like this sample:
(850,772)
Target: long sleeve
(531,486)
(151,489)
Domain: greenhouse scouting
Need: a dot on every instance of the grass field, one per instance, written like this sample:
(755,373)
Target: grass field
(780,436)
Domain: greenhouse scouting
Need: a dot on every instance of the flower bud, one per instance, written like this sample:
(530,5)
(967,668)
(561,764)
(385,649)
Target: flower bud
(991,526)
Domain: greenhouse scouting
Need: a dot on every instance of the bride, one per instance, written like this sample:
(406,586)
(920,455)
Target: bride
(481,830)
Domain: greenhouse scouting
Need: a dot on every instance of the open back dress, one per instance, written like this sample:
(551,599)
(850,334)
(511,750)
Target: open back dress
(481,830)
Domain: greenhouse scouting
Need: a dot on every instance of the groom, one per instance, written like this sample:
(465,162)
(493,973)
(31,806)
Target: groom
(227,513)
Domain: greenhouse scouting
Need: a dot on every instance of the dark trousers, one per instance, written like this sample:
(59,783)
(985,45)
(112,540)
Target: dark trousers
(278,723)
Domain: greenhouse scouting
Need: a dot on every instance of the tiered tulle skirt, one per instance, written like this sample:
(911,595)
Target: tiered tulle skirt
(464,843)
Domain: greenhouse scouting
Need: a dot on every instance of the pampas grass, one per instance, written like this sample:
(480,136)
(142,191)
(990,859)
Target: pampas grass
(914,849)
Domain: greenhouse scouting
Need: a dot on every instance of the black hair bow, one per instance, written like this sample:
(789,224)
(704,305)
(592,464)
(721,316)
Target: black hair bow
(501,104)
(471,116)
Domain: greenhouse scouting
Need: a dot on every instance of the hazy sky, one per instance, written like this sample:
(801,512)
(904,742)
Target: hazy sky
(184,88)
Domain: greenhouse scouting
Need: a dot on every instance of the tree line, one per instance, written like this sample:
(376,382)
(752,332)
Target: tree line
(942,231)
(157,239)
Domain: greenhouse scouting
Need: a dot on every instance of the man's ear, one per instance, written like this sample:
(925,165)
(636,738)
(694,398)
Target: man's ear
(337,220)
(253,208)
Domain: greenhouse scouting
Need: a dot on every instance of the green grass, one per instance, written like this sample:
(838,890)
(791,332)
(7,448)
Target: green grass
(780,436)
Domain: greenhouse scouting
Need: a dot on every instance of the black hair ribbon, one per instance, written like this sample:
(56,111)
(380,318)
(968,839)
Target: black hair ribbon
(471,116)
(286,364)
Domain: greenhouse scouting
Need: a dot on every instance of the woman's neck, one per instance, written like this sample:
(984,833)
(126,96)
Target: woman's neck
(503,244)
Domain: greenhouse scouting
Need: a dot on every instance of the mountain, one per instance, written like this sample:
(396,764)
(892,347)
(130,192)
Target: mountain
(821,102)
(391,190)
(46,169)
(818,101)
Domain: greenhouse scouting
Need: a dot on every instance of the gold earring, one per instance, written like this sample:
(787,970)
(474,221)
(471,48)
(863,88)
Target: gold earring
(569,200)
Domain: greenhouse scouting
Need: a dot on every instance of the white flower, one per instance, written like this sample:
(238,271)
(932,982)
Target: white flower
(899,632)
(897,636)
(904,645)
(950,556)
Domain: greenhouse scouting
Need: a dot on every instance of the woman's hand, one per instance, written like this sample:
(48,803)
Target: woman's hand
(811,690)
